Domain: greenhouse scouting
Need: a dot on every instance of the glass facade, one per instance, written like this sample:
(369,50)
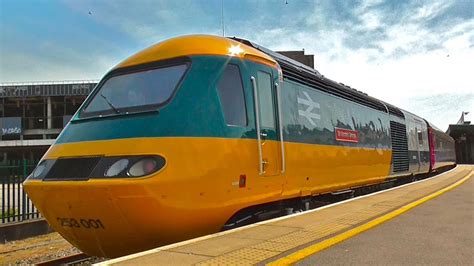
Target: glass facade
(36,113)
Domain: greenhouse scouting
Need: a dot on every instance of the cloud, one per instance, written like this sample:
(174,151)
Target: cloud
(27,67)
(49,60)
(439,107)
(150,21)
(400,52)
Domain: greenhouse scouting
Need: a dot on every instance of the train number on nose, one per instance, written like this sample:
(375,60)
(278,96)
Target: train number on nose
(81,223)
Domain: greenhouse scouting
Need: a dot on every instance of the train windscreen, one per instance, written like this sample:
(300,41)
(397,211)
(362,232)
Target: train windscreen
(135,92)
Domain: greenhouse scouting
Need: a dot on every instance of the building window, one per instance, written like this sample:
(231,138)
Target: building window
(231,94)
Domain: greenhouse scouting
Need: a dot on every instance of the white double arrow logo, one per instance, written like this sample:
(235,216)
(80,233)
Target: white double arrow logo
(311,105)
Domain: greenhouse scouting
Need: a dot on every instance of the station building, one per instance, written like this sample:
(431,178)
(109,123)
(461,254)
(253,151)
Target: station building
(463,134)
(300,56)
(33,114)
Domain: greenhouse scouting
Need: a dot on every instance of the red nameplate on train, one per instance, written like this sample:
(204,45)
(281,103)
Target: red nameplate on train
(347,135)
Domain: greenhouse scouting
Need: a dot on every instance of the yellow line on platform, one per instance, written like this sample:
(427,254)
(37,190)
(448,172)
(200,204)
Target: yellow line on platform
(308,251)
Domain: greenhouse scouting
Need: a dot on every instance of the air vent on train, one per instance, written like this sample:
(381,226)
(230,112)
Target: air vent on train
(398,135)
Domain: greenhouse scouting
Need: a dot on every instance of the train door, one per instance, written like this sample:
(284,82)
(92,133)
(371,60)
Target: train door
(422,146)
(268,129)
(417,147)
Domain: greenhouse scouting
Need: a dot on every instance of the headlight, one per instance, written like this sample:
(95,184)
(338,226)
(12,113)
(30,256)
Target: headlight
(39,170)
(117,168)
(144,167)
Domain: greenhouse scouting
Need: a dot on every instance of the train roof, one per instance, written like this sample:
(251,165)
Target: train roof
(197,45)
(301,73)
(433,126)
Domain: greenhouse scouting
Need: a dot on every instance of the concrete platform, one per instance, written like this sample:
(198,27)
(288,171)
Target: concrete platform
(440,232)
(296,238)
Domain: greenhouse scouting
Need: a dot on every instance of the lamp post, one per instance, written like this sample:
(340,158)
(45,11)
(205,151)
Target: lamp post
(222,18)
(461,120)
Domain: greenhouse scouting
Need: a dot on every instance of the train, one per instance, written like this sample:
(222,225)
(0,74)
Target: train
(197,133)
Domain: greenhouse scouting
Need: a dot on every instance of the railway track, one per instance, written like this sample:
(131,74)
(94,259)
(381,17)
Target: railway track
(75,259)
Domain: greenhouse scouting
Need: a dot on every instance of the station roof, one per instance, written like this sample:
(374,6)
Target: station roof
(458,129)
(46,88)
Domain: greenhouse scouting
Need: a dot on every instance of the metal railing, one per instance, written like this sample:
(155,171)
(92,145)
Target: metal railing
(44,89)
(15,204)
(51,82)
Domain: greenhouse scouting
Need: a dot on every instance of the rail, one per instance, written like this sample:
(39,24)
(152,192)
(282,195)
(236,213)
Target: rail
(280,129)
(57,82)
(75,259)
(257,120)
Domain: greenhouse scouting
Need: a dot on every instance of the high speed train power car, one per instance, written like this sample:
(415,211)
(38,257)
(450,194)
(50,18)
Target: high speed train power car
(190,135)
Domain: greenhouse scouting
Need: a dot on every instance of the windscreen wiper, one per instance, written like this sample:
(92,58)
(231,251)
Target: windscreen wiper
(110,104)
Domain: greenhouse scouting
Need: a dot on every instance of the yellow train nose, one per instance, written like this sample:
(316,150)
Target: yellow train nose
(105,219)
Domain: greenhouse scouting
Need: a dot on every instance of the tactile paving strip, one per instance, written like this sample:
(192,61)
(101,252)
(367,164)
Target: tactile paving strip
(253,254)
(226,260)
(275,246)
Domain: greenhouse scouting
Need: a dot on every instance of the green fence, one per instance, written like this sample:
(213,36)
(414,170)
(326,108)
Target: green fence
(15,204)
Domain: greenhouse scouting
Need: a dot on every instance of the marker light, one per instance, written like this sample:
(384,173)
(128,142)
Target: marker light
(235,50)
(143,167)
(116,168)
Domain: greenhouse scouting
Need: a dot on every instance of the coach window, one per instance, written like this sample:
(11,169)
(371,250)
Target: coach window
(231,94)
(420,137)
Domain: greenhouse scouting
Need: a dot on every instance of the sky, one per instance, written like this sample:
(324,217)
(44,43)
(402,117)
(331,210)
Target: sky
(417,55)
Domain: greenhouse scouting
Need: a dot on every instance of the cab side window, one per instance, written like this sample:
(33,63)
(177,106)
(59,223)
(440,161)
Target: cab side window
(265,100)
(231,94)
